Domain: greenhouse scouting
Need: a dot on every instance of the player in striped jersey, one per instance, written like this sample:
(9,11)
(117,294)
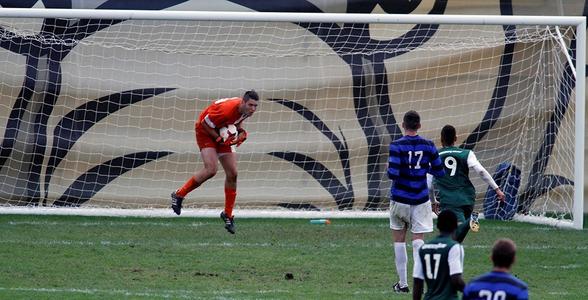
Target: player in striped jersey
(411,158)
(455,190)
(499,283)
(219,114)
(440,263)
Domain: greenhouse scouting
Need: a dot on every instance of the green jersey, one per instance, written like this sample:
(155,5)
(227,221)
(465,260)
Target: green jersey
(455,188)
(440,258)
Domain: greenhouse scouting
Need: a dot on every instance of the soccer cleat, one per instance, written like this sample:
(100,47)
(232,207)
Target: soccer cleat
(229,222)
(176,203)
(398,289)
(474,222)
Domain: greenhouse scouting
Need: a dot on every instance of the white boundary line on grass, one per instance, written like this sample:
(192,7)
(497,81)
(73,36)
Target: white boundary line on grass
(117,292)
(167,212)
(173,294)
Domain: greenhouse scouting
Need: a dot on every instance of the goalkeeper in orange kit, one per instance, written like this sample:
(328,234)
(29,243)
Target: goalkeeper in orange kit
(213,148)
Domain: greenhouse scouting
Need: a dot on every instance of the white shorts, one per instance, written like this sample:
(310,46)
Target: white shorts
(419,218)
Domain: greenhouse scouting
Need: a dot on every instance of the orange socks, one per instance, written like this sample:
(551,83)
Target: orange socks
(230,195)
(189,186)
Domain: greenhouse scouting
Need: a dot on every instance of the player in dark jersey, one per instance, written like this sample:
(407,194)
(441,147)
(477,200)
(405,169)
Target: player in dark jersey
(440,263)
(499,283)
(455,190)
(411,158)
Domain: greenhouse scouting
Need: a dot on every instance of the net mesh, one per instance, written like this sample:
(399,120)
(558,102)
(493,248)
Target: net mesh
(100,113)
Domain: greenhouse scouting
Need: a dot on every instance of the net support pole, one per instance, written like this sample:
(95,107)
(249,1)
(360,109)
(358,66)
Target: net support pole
(578,206)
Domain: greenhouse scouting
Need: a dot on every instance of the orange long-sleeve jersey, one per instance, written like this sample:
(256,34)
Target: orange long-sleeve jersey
(221,113)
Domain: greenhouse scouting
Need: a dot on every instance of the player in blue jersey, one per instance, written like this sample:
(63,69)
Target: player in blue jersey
(440,263)
(499,283)
(411,158)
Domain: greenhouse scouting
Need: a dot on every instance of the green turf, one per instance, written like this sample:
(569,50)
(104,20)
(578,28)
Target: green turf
(64,257)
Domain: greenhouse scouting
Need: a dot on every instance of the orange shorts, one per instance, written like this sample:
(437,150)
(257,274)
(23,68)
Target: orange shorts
(205,141)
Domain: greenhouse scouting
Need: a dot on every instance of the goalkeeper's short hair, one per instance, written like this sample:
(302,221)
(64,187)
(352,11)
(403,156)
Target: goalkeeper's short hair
(252,94)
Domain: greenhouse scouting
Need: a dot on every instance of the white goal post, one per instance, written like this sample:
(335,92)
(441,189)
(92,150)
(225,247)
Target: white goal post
(98,107)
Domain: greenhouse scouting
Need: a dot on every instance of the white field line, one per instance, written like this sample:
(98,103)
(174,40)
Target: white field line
(107,243)
(531,247)
(154,224)
(173,294)
(245,213)
(165,294)
(202,224)
(565,267)
(102,224)
(332,245)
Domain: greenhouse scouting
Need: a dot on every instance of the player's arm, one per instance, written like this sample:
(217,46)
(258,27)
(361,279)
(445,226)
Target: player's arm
(241,134)
(394,162)
(523,295)
(211,129)
(457,282)
(418,287)
(467,293)
(478,168)
(431,187)
(455,261)
(436,169)
(418,279)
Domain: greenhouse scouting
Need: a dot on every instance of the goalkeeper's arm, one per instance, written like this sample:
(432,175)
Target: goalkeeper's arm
(215,135)
(210,131)
(241,135)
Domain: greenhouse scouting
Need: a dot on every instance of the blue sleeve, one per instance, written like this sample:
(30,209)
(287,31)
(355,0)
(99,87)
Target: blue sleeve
(394,162)
(466,293)
(523,295)
(437,169)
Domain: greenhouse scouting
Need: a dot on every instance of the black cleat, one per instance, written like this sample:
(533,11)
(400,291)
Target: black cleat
(229,222)
(404,290)
(176,203)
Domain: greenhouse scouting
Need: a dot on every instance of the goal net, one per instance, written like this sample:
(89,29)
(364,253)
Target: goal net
(98,107)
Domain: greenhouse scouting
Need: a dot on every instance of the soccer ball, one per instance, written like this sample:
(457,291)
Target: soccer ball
(228,131)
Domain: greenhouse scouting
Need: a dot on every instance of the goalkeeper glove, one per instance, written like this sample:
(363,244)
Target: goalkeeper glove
(241,137)
(228,142)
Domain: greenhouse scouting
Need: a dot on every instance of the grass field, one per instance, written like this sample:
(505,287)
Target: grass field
(65,257)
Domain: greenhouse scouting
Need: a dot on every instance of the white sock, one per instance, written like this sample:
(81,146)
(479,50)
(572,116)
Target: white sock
(401,259)
(416,245)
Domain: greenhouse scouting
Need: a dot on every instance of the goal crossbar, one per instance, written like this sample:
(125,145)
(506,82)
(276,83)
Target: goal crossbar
(289,17)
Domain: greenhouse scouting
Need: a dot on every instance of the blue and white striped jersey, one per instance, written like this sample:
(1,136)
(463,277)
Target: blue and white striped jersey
(411,158)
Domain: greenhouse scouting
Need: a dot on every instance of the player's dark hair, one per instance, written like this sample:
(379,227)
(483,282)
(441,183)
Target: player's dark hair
(503,253)
(250,95)
(411,120)
(447,221)
(448,135)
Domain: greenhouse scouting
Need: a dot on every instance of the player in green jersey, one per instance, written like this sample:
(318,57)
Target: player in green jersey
(455,190)
(440,263)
